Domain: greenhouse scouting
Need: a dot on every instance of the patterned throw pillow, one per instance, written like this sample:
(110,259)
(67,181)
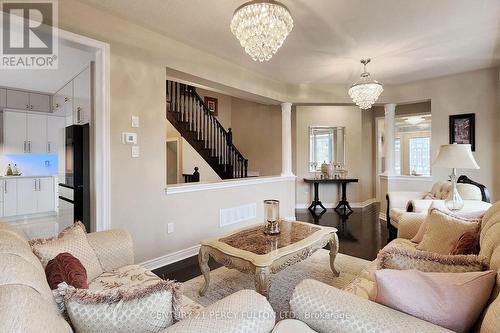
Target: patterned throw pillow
(143,308)
(66,268)
(468,243)
(398,257)
(72,240)
(443,229)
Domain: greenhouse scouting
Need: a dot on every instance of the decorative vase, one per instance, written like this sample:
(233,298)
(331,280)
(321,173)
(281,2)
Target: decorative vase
(271,212)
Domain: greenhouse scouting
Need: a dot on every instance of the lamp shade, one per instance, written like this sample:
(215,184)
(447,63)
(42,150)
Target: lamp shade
(457,156)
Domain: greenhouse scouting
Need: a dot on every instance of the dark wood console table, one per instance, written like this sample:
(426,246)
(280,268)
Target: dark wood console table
(343,206)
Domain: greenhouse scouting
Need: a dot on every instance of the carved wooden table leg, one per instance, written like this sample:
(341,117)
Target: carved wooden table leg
(203,257)
(334,249)
(262,280)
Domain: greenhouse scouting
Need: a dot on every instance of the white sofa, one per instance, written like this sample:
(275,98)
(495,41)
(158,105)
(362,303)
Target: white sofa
(326,309)
(476,198)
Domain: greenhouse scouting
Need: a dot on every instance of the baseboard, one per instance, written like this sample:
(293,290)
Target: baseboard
(330,205)
(170,258)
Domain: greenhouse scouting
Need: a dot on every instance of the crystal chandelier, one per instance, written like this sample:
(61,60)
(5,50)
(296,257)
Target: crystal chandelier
(366,91)
(261,26)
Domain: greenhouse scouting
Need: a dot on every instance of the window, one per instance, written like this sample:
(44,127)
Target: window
(397,156)
(420,156)
(412,145)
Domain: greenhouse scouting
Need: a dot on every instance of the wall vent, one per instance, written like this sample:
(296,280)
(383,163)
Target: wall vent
(233,215)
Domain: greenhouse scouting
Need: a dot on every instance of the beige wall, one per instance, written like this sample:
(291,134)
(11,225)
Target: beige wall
(257,135)
(138,60)
(138,201)
(191,159)
(351,118)
(224,106)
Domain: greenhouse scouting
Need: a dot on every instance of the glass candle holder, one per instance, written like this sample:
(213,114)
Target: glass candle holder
(271,215)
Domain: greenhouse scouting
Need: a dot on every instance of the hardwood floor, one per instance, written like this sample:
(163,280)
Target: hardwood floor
(360,235)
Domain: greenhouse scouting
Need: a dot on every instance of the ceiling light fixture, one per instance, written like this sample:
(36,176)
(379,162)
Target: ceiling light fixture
(366,91)
(261,27)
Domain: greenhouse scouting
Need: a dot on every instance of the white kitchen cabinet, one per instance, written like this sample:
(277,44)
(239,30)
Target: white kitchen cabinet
(45,195)
(82,97)
(63,100)
(56,135)
(3,98)
(14,133)
(9,197)
(26,132)
(18,99)
(36,130)
(39,102)
(26,196)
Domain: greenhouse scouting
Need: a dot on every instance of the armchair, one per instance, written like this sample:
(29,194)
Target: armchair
(476,197)
(327,309)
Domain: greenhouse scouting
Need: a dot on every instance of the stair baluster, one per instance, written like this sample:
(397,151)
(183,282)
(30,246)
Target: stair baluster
(188,113)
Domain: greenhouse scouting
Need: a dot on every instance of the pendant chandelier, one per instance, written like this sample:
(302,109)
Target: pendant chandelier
(261,26)
(366,91)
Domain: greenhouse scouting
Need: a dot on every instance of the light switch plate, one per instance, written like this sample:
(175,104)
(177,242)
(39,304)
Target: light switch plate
(129,138)
(136,152)
(170,228)
(135,121)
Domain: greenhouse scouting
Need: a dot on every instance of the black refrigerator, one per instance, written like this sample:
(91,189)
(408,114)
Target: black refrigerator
(78,172)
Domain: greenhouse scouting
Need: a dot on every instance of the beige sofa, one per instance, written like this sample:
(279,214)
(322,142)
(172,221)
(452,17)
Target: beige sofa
(27,304)
(476,198)
(326,309)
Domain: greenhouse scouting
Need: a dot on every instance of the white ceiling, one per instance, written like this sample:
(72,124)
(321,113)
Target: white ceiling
(408,40)
(72,60)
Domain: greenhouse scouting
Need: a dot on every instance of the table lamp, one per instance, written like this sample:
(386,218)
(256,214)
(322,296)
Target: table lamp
(455,156)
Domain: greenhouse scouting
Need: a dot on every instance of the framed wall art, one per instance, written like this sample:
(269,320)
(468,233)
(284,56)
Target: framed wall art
(211,103)
(462,129)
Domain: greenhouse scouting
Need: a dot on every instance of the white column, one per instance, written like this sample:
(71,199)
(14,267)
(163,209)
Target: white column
(389,130)
(286,139)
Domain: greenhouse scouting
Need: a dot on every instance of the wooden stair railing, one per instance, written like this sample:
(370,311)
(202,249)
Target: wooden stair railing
(192,178)
(189,114)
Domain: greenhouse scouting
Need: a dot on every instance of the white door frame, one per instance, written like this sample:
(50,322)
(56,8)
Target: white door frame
(101,122)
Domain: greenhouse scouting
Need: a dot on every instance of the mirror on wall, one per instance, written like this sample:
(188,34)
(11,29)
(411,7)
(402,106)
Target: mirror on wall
(326,144)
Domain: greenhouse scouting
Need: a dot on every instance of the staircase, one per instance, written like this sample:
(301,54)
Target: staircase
(188,113)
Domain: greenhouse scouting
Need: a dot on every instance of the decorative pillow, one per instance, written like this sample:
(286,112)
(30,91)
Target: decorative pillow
(150,308)
(468,243)
(72,240)
(394,257)
(420,233)
(439,205)
(66,268)
(451,300)
(443,230)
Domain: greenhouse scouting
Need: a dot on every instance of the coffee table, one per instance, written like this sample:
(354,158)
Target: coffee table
(251,251)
